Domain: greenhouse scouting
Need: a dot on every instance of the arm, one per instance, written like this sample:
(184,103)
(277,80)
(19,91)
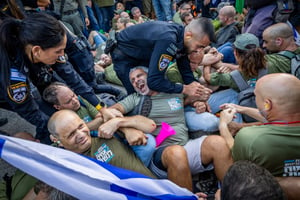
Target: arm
(225,118)
(96,122)
(290,186)
(118,107)
(206,73)
(138,122)
(160,59)
(74,81)
(252,112)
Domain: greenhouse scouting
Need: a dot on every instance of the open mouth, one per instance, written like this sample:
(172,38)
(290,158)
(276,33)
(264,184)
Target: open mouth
(141,85)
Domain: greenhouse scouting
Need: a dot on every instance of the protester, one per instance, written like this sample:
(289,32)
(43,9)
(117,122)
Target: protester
(202,154)
(157,47)
(70,132)
(273,143)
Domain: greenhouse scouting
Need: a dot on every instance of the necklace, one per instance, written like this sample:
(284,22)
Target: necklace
(279,122)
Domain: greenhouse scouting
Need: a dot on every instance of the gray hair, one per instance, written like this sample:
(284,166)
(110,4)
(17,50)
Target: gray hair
(145,69)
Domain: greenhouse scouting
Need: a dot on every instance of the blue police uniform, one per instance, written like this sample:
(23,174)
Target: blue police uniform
(18,98)
(154,45)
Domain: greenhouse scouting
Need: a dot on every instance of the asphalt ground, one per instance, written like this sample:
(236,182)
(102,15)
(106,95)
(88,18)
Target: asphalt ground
(15,124)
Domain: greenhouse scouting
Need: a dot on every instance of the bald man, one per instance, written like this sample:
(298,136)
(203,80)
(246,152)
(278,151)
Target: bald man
(229,29)
(276,38)
(70,132)
(275,143)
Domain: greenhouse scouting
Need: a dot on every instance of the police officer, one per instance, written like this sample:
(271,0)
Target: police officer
(31,51)
(156,45)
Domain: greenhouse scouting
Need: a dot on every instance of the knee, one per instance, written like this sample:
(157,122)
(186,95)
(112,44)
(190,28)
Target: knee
(214,143)
(172,155)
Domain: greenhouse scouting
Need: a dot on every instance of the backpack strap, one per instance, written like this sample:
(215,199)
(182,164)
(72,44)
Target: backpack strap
(291,55)
(239,80)
(262,72)
(287,54)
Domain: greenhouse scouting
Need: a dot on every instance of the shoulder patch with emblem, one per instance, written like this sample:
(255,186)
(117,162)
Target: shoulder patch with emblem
(164,61)
(18,92)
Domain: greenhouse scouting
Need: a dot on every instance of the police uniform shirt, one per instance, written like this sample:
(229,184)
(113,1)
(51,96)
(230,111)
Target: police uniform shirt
(157,43)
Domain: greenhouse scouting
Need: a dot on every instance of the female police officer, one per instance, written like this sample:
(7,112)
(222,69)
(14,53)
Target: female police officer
(29,51)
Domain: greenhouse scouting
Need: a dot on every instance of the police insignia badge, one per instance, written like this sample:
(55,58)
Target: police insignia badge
(18,92)
(164,61)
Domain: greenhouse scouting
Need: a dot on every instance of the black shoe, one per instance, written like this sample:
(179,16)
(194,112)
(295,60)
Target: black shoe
(3,121)
(207,183)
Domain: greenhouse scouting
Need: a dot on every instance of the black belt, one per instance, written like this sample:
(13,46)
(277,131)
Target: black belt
(70,12)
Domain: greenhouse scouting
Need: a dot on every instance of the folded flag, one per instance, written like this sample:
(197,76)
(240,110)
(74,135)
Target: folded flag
(85,178)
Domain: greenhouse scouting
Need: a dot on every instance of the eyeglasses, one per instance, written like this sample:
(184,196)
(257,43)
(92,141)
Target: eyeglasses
(186,8)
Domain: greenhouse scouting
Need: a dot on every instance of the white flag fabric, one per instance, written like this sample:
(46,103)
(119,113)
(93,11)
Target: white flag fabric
(85,178)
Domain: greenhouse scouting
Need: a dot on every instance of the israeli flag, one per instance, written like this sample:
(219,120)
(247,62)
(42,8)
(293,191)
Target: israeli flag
(85,178)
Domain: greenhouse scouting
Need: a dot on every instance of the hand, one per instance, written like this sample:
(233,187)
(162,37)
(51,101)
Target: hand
(87,21)
(238,108)
(108,129)
(135,137)
(227,115)
(200,106)
(197,91)
(109,113)
(210,59)
(224,69)
(201,195)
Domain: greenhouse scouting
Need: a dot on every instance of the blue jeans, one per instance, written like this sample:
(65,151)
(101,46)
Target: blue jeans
(163,10)
(105,15)
(221,97)
(227,50)
(205,121)
(145,152)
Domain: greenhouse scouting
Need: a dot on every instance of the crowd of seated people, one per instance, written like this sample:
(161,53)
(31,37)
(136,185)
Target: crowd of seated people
(124,68)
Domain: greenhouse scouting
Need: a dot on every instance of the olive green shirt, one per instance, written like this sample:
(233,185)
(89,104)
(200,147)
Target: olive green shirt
(114,152)
(279,64)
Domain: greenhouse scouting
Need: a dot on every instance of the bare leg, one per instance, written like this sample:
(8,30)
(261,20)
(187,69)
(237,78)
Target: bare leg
(215,150)
(174,158)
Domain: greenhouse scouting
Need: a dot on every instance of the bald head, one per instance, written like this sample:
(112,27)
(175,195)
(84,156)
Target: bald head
(279,30)
(282,90)
(60,118)
(279,37)
(228,11)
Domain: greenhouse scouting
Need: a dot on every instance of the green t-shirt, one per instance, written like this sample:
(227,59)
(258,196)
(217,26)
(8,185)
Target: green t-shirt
(165,108)
(279,64)
(275,148)
(174,75)
(21,184)
(87,112)
(114,152)
(111,75)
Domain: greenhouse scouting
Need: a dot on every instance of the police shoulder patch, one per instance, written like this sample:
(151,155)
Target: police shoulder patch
(18,92)
(164,61)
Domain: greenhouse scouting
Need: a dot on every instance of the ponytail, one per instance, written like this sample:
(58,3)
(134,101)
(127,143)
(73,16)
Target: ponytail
(10,47)
(251,61)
